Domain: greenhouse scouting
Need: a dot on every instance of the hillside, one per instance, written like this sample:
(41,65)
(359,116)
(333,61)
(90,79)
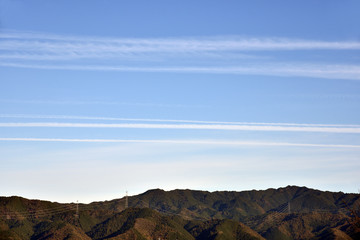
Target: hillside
(285,213)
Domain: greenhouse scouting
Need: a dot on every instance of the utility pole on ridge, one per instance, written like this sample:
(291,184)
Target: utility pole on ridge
(126,200)
(77,209)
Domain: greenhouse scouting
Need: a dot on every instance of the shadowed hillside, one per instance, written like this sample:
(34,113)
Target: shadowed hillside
(284,213)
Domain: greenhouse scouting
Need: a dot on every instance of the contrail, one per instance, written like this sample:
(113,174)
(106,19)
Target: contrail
(199,142)
(339,71)
(31,116)
(39,50)
(187,126)
(57,44)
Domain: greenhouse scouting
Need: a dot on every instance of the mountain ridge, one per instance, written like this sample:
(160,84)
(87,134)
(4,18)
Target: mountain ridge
(285,213)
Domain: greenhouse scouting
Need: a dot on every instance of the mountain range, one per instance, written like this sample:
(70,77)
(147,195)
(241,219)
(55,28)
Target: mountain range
(285,213)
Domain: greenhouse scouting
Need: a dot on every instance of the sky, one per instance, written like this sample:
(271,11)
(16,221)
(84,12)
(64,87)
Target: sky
(102,97)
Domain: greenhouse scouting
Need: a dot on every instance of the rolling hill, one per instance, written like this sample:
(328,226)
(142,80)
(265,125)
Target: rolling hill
(285,213)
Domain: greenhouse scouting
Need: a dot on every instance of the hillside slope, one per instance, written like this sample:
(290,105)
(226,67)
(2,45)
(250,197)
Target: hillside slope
(284,213)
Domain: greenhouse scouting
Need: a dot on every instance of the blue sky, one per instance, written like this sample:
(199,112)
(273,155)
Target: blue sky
(100,97)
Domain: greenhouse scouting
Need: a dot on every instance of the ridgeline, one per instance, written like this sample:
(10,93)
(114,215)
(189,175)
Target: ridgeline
(285,213)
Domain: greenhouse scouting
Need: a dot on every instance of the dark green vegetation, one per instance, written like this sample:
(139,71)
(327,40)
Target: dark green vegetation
(284,213)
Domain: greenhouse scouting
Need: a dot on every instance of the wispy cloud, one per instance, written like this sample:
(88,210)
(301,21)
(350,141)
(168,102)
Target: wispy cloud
(32,116)
(188,126)
(76,102)
(88,46)
(199,142)
(187,55)
(340,71)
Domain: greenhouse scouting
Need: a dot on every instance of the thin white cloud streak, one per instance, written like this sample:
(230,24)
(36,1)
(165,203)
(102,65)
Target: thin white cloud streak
(187,126)
(190,142)
(29,116)
(21,41)
(131,57)
(138,104)
(27,46)
(340,71)
(37,46)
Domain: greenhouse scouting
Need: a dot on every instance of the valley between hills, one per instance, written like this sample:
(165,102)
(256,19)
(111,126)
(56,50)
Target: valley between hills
(285,213)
